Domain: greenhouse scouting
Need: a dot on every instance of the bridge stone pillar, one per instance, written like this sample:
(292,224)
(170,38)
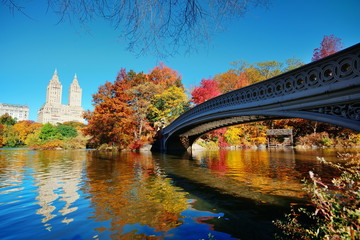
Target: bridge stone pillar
(174,144)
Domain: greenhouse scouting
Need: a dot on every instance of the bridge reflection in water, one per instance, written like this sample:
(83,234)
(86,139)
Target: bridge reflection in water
(327,90)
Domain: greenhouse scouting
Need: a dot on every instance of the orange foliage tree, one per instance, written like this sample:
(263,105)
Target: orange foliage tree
(231,80)
(166,76)
(112,120)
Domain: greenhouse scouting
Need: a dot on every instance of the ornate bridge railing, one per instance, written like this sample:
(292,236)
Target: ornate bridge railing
(330,86)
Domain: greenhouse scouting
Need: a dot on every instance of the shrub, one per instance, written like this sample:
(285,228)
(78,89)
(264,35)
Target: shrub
(48,145)
(135,146)
(315,139)
(336,207)
(78,142)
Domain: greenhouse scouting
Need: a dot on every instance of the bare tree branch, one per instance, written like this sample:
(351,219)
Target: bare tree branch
(161,27)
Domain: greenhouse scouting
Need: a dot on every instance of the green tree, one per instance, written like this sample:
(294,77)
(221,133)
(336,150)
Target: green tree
(66,131)
(49,131)
(6,119)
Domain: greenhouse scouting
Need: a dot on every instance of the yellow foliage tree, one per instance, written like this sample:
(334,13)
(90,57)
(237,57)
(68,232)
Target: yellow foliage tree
(24,128)
(168,105)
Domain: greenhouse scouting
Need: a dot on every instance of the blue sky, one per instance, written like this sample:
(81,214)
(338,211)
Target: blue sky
(31,49)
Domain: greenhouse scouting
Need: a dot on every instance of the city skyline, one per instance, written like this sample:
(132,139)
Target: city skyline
(32,48)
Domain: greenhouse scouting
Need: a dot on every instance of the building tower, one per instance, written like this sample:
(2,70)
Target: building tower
(54,90)
(53,111)
(75,93)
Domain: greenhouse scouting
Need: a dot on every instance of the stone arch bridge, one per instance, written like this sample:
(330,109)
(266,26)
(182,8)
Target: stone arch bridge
(327,90)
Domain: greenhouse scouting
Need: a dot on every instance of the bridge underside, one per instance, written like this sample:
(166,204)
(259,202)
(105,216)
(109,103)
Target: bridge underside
(326,91)
(183,140)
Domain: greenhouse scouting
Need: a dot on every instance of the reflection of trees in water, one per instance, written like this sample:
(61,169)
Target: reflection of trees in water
(12,165)
(270,172)
(130,189)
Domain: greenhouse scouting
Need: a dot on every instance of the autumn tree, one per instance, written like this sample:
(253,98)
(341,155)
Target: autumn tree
(145,102)
(209,88)
(26,127)
(10,136)
(231,80)
(141,91)
(269,69)
(112,120)
(292,63)
(157,98)
(127,110)
(329,45)
(168,105)
(1,134)
(75,124)
(263,70)
(165,76)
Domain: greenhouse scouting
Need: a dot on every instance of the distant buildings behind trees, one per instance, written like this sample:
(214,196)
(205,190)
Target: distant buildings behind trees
(20,112)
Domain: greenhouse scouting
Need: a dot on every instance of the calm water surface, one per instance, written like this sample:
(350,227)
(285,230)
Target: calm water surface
(85,194)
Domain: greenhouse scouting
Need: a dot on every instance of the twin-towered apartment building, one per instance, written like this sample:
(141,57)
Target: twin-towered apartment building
(53,111)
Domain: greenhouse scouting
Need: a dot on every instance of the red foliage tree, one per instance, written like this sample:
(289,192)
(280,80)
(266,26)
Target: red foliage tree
(329,45)
(209,89)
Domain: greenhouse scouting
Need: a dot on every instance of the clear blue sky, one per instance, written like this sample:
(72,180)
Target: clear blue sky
(31,49)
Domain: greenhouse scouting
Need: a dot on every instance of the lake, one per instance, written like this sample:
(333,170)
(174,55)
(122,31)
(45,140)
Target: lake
(86,194)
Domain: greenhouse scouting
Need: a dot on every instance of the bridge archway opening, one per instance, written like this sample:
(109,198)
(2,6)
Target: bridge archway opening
(182,141)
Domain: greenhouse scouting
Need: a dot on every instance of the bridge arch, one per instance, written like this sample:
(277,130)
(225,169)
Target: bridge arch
(327,90)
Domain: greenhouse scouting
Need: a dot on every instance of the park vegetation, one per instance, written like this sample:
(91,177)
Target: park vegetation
(67,135)
(334,212)
(129,111)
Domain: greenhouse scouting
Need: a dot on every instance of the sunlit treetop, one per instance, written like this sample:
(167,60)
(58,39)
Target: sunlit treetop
(329,45)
